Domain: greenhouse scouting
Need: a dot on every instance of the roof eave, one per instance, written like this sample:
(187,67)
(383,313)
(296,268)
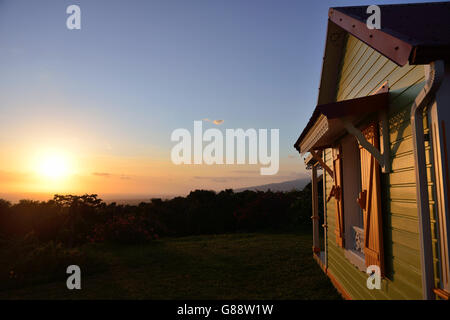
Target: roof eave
(391,47)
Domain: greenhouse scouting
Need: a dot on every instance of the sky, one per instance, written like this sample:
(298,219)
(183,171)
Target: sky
(92,110)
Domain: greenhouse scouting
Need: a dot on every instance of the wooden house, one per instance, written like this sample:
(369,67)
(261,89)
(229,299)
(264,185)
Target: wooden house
(381,134)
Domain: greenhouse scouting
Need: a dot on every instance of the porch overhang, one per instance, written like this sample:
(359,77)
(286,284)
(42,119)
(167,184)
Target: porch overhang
(328,121)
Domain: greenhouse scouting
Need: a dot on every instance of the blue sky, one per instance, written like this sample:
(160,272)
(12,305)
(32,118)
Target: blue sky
(137,70)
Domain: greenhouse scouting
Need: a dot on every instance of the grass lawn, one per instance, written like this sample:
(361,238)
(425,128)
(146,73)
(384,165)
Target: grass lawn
(232,266)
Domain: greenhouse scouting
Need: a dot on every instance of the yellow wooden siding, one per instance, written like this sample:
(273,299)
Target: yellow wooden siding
(363,71)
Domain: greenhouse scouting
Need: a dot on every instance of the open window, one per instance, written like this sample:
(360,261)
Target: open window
(353,214)
(356,191)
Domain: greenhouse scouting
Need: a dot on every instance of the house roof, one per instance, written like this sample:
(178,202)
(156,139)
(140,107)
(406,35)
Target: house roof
(415,33)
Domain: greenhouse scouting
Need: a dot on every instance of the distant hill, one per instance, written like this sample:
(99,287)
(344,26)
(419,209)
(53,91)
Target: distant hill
(297,184)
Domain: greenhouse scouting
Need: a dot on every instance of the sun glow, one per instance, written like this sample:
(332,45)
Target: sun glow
(54,166)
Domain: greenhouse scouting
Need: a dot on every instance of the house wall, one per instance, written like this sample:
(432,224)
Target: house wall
(364,70)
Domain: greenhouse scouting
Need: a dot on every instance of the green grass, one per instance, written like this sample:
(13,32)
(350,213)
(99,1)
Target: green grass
(234,266)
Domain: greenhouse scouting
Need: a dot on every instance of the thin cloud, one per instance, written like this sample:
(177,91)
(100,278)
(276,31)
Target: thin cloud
(108,175)
(216,122)
(220,179)
(251,172)
(101,174)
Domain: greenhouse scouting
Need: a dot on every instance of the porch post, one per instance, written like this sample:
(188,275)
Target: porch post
(315,209)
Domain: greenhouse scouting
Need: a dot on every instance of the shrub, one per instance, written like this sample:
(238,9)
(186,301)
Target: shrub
(74,220)
(27,261)
(268,210)
(128,229)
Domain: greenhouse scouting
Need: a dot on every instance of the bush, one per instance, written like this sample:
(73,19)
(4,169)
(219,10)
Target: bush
(74,220)
(129,229)
(27,261)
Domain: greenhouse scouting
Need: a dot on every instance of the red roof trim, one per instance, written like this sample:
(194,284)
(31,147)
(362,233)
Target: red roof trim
(393,48)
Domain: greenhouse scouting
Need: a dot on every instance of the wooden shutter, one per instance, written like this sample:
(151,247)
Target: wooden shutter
(337,193)
(370,201)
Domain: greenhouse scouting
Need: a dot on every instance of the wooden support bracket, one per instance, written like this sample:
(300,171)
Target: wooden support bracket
(381,158)
(316,156)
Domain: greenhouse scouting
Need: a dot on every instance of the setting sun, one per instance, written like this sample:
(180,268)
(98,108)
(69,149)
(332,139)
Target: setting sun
(54,166)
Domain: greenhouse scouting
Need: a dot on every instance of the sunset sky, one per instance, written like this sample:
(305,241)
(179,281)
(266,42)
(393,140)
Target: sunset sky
(92,110)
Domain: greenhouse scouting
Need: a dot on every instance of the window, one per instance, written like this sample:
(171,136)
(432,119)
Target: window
(353,215)
(357,192)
